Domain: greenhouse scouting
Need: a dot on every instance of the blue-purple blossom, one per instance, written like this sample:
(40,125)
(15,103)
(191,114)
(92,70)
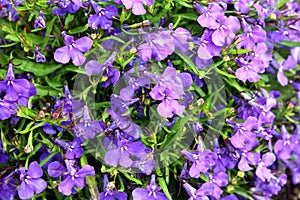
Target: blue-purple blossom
(109,191)
(73,149)
(74,50)
(31,181)
(16,90)
(152,192)
(40,21)
(74,177)
(39,57)
(137,5)
(106,72)
(8,186)
(65,6)
(103,16)
(262,170)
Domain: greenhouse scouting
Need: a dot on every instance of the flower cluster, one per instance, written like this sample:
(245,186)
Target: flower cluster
(158,95)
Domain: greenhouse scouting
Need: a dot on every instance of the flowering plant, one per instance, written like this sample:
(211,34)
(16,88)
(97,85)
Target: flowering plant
(149,100)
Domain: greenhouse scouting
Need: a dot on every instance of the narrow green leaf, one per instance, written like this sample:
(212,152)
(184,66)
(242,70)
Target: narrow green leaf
(290,43)
(79,29)
(162,183)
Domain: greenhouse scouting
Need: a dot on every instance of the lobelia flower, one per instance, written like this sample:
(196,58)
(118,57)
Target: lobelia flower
(65,6)
(242,6)
(146,162)
(202,161)
(40,21)
(108,74)
(39,57)
(249,70)
(7,10)
(157,45)
(244,137)
(17,90)
(170,87)
(103,16)
(109,192)
(7,109)
(209,16)
(73,50)
(192,192)
(152,192)
(284,147)
(207,49)
(287,64)
(73,149)
(74,177)
(251,36)
(120,155)
(264,190)
(31,181)
(65,104)
(262,171)
(247,159)
(8,186)
(212,187)
(137,5)
(87,128)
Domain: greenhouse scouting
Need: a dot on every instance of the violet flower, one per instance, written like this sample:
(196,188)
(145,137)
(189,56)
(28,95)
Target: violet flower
(39,57)
(262,170)
(108,74)
(287,64)
(75,177)
(137,5)
(8,186)
(244,136)
(73,149)
(40,21)
(4,157)
(157,45)
(87,128)
(65,6)
(17,90)
(152,192)
(207,49)
(31,181)
(209,17)
(73,50)
(109,192)
(213,187)
(121,154)
(103,16)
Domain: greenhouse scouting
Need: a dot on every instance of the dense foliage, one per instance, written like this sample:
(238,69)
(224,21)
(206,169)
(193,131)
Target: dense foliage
(149,100)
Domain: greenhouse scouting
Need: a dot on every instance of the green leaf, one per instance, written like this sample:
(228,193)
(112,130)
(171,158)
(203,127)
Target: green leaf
(12,38)
(47,90)
(132,178)
(189,16)
(290,43)
(79,29)
(162,183)
(280,4)
(191,64)
(69,19)
(90,180)
(49,27)
(239,51)
(26,113)
(39,69)
(3,60)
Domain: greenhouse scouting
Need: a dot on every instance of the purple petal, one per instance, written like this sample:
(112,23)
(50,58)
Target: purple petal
(34,170)
(62,55)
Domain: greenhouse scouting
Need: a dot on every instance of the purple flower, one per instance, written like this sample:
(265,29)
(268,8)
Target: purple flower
(212,187)
(8,186)
(202,161)
(247,159)
(121,154)
(17,90)
(207,49)
(75,177)
(209,17)
(287,64)
(285,146)
(65,6)
(262,171)
(244,136)
(87,128)
(108,74)
(73,50)
(55,169)
(31,181)
(109,192)
(170,87)
(179,38)
(65,104)
(103,16)
(251,36)
(249,71)
(157,45)
(7,11)
(73,149)
(152,192)
(6,109)
(39,57)
(137,5)
(40,21)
